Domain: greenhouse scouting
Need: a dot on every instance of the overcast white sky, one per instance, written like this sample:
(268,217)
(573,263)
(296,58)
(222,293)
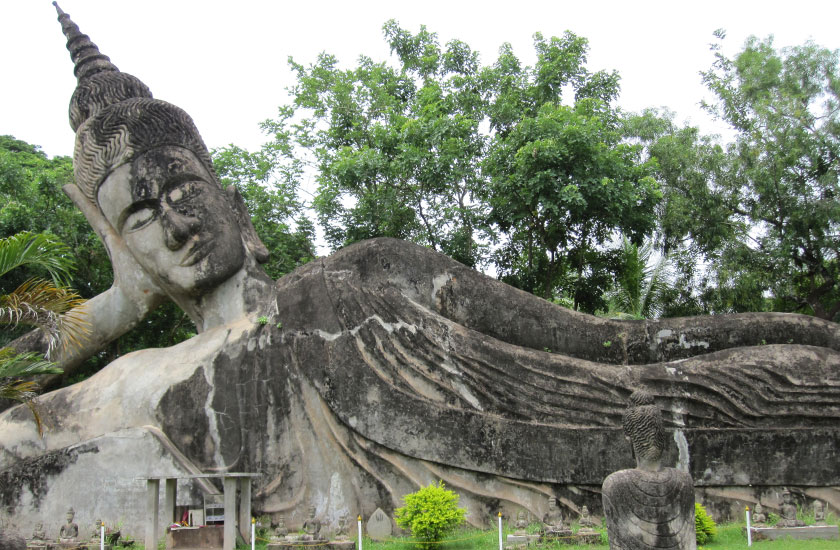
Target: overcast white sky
(225,62)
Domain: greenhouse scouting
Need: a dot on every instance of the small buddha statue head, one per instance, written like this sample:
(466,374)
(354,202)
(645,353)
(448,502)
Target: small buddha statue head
(70,515)
(643,426)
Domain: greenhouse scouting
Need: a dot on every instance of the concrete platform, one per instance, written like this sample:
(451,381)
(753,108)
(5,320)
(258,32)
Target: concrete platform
(829,532)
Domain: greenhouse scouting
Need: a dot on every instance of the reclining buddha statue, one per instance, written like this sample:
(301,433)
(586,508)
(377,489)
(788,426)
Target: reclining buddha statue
(384,367)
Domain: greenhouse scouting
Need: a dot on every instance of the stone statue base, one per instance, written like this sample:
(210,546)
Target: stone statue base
(564,536)
(829,532)
(587,536)
(296,544)
(342,545)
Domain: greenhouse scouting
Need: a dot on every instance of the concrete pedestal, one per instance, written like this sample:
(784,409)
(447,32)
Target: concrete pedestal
(587,537)
(297,544)
(196,538)
(829,532)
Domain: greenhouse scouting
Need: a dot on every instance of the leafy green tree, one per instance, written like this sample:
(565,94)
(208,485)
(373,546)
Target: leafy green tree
(562,181)
(395,149)
(430,514)
(45,304)
(780,190)
(268,181)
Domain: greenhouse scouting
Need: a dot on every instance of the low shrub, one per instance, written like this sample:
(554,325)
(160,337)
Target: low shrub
(705,526)
(431,513)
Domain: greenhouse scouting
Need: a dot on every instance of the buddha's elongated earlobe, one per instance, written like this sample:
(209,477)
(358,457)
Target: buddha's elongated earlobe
(249,234)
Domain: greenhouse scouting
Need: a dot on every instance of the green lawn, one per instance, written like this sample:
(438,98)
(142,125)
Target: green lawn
(730,537)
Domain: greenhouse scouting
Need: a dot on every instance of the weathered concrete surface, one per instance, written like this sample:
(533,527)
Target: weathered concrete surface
(98,478)
(368,391)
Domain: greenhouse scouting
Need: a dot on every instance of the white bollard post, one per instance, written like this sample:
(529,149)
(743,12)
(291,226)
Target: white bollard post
(360,531)
(500,531)
(253,533)
(102,536)
(749,532)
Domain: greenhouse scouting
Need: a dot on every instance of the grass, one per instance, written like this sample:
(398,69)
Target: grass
(730,537)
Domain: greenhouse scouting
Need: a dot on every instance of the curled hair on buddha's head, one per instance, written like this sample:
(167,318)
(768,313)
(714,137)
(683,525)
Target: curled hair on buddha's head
(120,132)
(642,423)
(101,90)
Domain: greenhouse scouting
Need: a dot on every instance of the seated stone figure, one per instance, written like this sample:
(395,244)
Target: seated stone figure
(553,520)
(758,517)
(39,537)
(649,507)
(278,535)
(69,532)
(312,526)
(585,520)
(819,513)
(383,364)
(521,523)
(787,511)
(343,526)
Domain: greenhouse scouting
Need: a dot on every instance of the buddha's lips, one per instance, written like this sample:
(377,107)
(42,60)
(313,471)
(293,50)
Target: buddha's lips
(197,252)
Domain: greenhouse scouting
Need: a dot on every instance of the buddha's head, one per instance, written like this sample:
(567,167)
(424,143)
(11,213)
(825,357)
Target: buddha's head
(143,164)
(642,423)
(70,515)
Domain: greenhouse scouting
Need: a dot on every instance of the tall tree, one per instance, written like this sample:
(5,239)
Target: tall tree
(780,188)
(563,185)
(395,149)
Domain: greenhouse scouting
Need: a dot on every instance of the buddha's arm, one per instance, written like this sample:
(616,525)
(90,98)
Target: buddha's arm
(111,314)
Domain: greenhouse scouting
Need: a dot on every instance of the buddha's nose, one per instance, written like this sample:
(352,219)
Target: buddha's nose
(178,227)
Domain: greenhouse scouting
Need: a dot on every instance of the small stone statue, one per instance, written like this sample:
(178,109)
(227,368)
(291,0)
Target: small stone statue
(39,537)
(69,532)
(585,520)
(649,507)
(341,532)
(97,532)
(819,513)
(521,524)
(39,534)
(788,512)
(758,517)
(553,519)
(280,532)
(312,526)
(553,527)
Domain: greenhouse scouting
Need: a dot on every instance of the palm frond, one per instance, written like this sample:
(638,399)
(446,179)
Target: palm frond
(36,249)
(55,310)
(16,365)
(13,367)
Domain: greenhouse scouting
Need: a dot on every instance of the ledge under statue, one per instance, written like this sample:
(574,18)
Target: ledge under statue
(382,368)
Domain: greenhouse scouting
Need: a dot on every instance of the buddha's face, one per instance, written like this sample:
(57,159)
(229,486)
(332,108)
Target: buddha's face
(175,220)
(70,516)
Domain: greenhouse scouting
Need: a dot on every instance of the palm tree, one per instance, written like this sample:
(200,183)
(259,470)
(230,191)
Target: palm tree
(46,304)
(640,284)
